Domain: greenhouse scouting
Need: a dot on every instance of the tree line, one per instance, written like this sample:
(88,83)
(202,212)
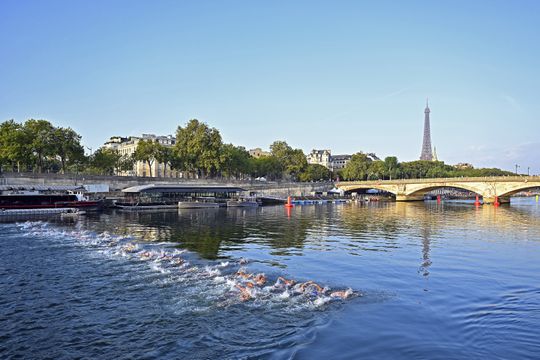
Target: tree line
(39,146)
(362,167)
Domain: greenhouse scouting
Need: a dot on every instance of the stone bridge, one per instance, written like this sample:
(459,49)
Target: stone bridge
(502,187)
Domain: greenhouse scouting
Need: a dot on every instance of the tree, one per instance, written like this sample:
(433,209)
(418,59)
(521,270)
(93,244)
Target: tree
(315,172)
(67,146)
(296,164)
(235,160)
(376,170)
(198,148)
(14,149)
(281,150)
(266,166)
(293,161)
(105,161)
(357,168)
(125,163)
(165,156)
(147,151)
(391,167)
(40,134)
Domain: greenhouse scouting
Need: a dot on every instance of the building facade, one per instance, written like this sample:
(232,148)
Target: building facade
(338,162)
(126,147)
(326,159)
(320,157)
(258,152)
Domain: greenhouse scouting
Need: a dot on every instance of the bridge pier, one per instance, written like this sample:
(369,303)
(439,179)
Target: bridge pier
(491,199)
(409,197)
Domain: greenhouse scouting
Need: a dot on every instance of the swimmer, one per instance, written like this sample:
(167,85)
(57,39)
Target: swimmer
(316,289)
(164,256)
(146,255)
(129,247)
(245,295)
(343,294)
(260,279)
(281,280)
(243,261)
(178,262)
(243,274)
(112,243)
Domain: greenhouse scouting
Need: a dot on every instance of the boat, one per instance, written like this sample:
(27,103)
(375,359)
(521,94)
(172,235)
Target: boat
(143,206)
(270,200)
(242,203)
(198,204)
(38,200)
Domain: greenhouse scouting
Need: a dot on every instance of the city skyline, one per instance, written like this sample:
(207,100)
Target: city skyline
(348,76)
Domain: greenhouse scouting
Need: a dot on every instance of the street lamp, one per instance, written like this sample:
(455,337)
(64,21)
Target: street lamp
(517,166)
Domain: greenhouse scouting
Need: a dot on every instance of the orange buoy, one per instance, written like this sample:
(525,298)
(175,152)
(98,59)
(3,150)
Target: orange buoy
(477,202)
(289,204)
(496,203)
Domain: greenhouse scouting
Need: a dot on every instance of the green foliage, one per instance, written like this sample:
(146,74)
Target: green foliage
(292,161)
(125,163)
(165,155)
(315,172)
(357,168)
(40,133)
(376,170)
(391,167)
(38,145)
(266,166)
(235,161)
(198,148)
(67,146)
(104,161)
(14,150)
(147,151)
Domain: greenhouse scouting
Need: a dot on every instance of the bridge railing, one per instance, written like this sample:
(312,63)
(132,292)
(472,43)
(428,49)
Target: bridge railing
(454,179)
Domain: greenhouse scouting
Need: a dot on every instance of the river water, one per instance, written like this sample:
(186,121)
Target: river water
(428,281)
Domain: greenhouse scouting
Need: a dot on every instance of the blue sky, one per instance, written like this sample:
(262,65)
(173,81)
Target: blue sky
(345,75)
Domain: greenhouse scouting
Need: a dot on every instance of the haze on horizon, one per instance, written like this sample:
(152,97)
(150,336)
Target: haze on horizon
(347,76)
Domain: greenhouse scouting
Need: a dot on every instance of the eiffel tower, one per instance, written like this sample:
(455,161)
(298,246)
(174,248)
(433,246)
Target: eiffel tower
(427,153)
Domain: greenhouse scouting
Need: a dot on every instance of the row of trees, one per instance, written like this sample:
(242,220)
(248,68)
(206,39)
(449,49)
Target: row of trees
(38,146)
(362,167)
(199,151)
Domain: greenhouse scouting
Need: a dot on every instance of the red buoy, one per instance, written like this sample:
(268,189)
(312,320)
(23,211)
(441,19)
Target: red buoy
(289,204)
(477,202)
(438,199)
(496,203)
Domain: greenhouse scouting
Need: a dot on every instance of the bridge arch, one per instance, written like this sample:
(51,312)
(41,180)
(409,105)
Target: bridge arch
(422,190)
(390,189)
(518,188)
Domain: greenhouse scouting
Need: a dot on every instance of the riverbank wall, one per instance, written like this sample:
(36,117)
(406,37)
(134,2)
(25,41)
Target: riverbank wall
(117,183)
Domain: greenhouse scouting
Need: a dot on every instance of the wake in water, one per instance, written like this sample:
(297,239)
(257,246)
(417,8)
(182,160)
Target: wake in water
(206,285)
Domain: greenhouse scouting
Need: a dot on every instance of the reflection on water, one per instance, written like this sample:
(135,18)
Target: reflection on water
(441,281)
(213,233)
